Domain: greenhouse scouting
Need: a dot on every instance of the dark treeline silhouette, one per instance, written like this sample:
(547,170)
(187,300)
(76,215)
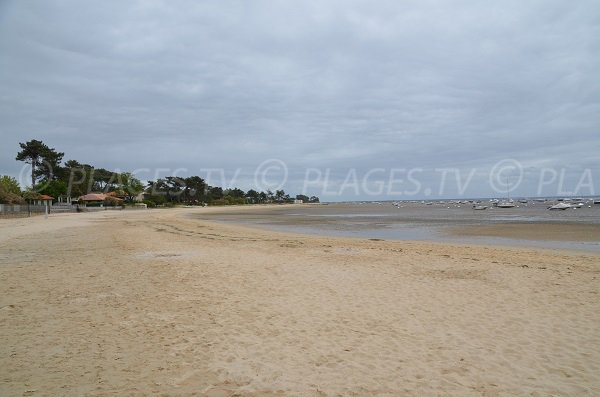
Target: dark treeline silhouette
(49,176)
(195,191)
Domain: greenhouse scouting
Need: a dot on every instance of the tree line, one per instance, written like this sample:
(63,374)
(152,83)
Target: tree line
(50,176)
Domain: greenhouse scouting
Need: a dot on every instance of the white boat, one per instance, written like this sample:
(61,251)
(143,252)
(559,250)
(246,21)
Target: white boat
(505,204)
(560,206)
(508,203)
(480,207)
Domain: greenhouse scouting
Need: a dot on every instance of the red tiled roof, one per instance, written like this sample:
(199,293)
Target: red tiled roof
(46,197)
(97,197)
(93,197)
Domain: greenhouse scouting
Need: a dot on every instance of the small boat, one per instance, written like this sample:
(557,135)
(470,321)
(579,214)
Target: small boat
(508,203)
(560,206)
(505,204)
(597,201)
(480,207)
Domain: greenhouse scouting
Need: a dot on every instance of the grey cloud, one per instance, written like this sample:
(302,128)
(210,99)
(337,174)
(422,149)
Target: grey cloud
(319,84)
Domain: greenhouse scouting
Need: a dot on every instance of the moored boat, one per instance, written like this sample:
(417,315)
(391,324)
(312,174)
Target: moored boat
(560,206)
(505,204)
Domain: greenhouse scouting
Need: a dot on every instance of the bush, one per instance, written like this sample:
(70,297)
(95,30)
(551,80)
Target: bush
(157,199)
(10,185)
(218,202)
(10,198)
(111,202)
(149,203)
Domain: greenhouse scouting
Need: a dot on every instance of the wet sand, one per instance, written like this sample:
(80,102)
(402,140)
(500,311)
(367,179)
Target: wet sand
(534,231)
(526,226)
(157,303)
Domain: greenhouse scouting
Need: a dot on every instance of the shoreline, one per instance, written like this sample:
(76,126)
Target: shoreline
(151,302)
(528,231)
(543,234)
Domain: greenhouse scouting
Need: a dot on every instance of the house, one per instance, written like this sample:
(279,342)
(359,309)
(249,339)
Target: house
(99,199)
(92,198)
(44,199)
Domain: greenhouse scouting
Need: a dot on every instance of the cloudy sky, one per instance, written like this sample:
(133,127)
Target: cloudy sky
(340,91)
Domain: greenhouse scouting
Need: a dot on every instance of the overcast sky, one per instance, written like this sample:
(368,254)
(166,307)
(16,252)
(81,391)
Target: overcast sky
(337,85)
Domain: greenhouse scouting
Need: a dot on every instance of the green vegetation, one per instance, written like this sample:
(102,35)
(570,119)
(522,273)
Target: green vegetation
(306,199)
(44,160)
(10,184)
(10,192)
(75,179)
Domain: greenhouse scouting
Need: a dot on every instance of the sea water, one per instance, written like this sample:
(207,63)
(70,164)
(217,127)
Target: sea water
(416,221)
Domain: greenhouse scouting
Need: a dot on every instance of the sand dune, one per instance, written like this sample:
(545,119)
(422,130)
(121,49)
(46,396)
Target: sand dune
(152,303)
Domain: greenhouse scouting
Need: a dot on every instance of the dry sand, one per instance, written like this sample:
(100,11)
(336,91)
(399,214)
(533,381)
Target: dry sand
(137,303)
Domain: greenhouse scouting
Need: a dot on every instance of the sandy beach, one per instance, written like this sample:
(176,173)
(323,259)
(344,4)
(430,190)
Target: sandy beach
(155,302)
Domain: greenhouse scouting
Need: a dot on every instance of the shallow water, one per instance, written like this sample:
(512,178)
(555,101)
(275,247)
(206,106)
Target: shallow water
(416,221)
